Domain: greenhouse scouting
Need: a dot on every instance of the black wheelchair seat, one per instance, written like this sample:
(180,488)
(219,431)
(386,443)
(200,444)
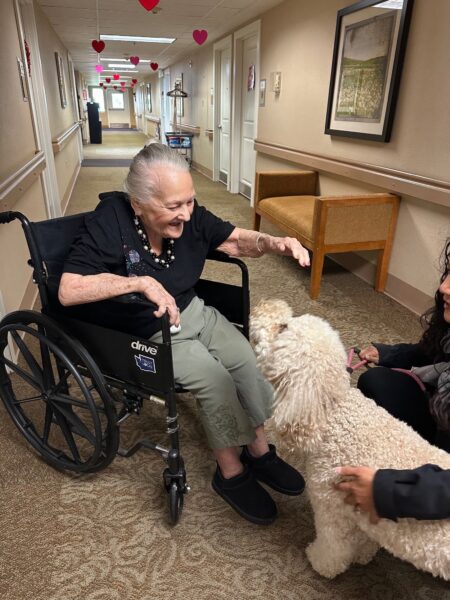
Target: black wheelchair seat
(68,384)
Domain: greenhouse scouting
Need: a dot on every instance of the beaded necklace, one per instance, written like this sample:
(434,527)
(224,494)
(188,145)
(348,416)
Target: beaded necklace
(166,257)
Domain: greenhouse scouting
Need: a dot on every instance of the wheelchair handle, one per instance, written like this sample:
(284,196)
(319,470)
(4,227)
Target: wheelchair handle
(7,217)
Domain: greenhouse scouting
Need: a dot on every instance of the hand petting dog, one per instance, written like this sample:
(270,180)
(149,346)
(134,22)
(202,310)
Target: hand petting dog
(360,489)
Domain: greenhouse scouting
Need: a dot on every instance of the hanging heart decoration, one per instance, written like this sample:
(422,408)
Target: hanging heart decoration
(149,4)
(200,36)
(99,68)
(108,79)
(134,81)
(115,87)
(98,45)
(101,84)
(134,60)
(105,87)
(116,77)
(122,83)
(153,66)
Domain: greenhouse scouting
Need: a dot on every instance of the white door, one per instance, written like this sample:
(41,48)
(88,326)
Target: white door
(248,90)
(224,125)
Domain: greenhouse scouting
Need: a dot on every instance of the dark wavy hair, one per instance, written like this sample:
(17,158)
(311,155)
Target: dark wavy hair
(433,322)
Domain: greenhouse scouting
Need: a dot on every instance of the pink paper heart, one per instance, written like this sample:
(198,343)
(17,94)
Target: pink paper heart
(149,4)
(116,77)
(134,60)
(98,45)
(108,79)
(153,66)
(200,36)
(122,83)
(99,68)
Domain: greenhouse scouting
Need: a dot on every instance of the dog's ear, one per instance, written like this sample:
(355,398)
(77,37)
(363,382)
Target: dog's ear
(307,370)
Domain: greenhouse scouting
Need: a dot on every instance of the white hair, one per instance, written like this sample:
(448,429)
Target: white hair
(141,183)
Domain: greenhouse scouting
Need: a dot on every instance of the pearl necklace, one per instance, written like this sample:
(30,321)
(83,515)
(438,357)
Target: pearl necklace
(166,258)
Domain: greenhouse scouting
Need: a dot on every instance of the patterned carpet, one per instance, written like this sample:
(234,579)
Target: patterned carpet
(106,536)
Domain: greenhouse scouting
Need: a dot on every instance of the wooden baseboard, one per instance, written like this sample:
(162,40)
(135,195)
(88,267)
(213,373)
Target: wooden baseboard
(400,291)
(203,170)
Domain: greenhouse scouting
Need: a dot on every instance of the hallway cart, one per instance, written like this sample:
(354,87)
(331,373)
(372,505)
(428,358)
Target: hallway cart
(182,143)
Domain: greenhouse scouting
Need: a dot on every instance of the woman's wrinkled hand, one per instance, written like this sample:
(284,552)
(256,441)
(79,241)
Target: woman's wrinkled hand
(370,354)
(157,294)
(290,247)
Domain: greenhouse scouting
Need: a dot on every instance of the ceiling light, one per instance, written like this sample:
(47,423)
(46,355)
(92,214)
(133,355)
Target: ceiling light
(137,38)
(116,59)
(118,66)
(115,71)
(125,77)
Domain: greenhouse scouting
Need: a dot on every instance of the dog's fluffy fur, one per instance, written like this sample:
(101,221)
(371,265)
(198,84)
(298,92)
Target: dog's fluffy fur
(318,414)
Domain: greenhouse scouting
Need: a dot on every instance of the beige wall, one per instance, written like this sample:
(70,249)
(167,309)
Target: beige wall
(297,39)
(17,146)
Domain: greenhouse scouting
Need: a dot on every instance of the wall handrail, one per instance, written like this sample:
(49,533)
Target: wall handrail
(59,142)
(400,182)
(153,119)
(187,128)
(15,185)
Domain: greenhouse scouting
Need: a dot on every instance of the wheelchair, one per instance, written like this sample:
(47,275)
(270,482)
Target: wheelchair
(68,385)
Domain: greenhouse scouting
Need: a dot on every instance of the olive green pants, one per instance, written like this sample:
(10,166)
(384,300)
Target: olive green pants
(214,361)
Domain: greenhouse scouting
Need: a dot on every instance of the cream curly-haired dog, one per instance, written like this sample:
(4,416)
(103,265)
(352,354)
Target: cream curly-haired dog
(330,423)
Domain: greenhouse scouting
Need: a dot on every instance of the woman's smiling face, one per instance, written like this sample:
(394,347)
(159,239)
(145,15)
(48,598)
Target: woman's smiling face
(164,215)
(444,288)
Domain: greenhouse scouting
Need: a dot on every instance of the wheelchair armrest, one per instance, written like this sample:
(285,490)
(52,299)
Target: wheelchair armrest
(133,298)
(222,257)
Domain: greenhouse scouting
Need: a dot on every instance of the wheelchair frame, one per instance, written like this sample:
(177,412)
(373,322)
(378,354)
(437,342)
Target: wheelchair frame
(71,354)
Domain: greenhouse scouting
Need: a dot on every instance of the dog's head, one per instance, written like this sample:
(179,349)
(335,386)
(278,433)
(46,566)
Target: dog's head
(304,359)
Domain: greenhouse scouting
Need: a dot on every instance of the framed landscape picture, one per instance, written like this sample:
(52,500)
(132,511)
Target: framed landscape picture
(369,49)
(61,79)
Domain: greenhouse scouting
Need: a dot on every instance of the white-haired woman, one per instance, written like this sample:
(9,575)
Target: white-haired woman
(154,240)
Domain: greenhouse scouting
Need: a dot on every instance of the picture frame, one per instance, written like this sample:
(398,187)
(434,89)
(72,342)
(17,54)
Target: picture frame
(368,56)
(148,97)
(61,79)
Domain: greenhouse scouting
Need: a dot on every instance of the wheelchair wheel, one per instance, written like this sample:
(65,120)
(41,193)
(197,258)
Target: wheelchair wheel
(55,394)
(176,500)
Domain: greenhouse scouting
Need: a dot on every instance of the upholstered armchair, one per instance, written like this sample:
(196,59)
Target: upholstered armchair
(327,224)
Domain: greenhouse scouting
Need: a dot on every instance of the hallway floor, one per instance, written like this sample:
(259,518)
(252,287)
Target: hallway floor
(116,144)
(106,536)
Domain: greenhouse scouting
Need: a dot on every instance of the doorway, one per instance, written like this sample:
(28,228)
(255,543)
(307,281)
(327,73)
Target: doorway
(222,111)
(245,110)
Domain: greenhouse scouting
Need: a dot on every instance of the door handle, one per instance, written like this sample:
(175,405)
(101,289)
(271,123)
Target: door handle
(219,126)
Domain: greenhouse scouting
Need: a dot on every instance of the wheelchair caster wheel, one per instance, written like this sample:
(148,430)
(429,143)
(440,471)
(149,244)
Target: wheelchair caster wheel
(176,499)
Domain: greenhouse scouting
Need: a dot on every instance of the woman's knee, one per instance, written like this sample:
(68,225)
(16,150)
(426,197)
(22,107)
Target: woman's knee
(371,382)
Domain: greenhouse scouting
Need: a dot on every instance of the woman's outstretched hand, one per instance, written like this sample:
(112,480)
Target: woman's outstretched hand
(359,489)
(370,354)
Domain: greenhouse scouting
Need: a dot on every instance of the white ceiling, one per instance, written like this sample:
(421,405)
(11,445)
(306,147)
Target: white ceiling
(75,22)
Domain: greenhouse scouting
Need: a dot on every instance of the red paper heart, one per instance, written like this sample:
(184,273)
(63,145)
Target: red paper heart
(98,45)
(134,60)
(105,87)
(116,77)
(115,87)
(101,84)
(153,66)
(200,36)
(149,4)
(108,79)
(134,80)
(122,83)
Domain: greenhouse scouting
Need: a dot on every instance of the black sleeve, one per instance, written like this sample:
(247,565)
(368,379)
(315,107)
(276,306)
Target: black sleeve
(213,230)
(98,246)
(422,493)
(401,356)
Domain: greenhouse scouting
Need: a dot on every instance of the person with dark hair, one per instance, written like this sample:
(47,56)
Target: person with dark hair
(412,382)
(154,239)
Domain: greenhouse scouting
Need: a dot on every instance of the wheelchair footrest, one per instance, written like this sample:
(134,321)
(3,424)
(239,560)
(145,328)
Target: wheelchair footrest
(144,443)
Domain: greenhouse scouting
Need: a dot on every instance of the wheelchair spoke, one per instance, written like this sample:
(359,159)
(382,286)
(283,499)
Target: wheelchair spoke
(47,422)
(25,376)
(74,422)
(69,400)
(29,358)
(30,399)
(68,436)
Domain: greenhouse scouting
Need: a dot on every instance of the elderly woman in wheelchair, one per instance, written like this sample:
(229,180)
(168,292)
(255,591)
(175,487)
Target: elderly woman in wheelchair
(152,242)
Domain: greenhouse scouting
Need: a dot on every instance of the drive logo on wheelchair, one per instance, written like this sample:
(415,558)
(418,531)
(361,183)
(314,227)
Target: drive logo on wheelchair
(145,363)
(143,348)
